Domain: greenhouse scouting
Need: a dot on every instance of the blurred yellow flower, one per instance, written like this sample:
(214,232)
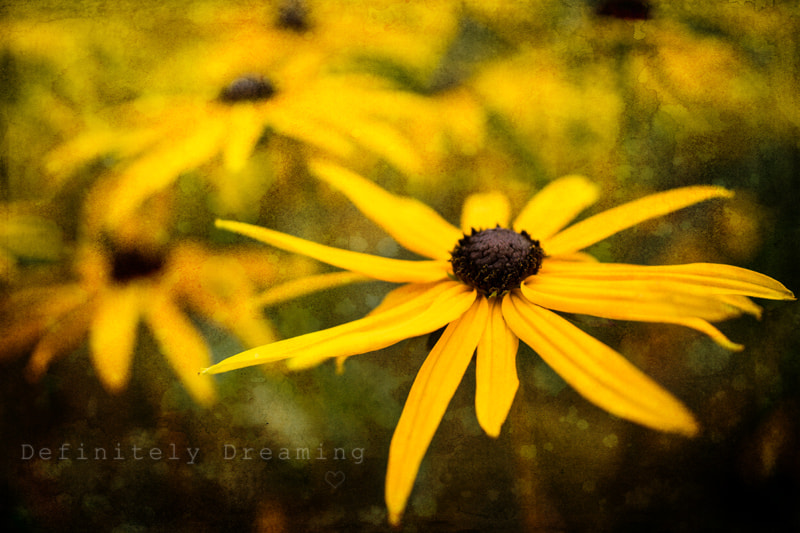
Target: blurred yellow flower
(218,100)
(117,288)
(492,282)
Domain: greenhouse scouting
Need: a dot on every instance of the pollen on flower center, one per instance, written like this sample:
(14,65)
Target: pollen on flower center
(247,89)
(494,261)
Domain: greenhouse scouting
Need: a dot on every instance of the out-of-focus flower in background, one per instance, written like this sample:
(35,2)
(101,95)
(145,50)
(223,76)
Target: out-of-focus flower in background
(496,285)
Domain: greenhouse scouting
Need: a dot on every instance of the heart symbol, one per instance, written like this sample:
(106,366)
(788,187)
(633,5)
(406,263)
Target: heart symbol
(334,479)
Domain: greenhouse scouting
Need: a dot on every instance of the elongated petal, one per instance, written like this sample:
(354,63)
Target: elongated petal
(244,130)
(495,371)
(67,334)
(411,223)
(596,371)
(383,268)
(441,312)
(401,295)
(295,124)
(628,300)
(427,401)
(485,211)
(705,278)
(600,226)
(638,301)
(556,205)
(159,169)
(426,312)
(297,288)
(183,346)
(113,335)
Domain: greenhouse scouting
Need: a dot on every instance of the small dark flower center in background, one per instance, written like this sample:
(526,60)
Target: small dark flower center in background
(247,89)
(130,264)
(494,261)
(624,9)
(293,15)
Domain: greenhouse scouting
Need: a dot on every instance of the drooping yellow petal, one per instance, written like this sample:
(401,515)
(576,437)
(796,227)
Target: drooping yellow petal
(383,268)
(637,301)
(627,300)
(411,223)
(485,211)
(600,226)
(596,371)
(556,205)
(705,278)
(113,334)
(183,347)
(434,386)
(495,372)
(426,312)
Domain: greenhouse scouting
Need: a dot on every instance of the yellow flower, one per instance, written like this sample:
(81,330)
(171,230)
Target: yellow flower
(120,285)
(211,103)
(494,282)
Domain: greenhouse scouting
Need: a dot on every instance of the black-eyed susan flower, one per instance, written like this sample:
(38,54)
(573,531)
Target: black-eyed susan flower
(213,104)
(493,282)
(119,286)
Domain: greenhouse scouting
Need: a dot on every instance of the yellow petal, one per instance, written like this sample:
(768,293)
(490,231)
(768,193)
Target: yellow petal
(401,295)
(387,142)
(411,223)
(627,300)
(62,337)
(294,124)
(600,226)
(183,347)
(415,322)
(427,401)
(596,371)
(485,211)
(113,335)
(638,301)
(160,168)
(297,288)
(426,312)
(556,205)
(244,131)
(495,371)
(706,278)
(383,268)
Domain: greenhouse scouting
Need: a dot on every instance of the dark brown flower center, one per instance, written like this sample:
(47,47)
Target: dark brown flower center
(293,15)
(494,261)
(130,264)
(624,9)
(247,89)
